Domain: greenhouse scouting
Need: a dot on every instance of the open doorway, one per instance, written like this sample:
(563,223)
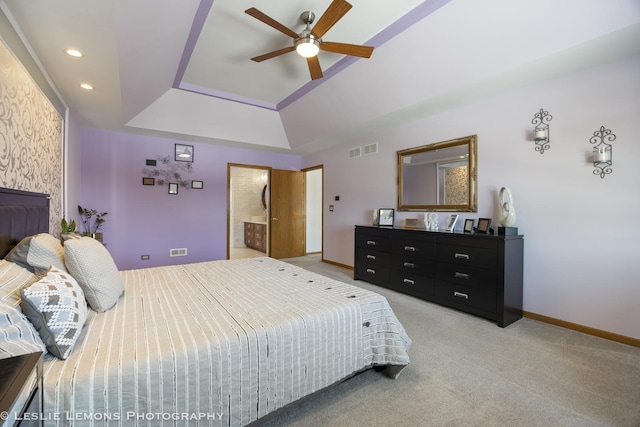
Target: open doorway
(249,216)
(314,202)
(247,225)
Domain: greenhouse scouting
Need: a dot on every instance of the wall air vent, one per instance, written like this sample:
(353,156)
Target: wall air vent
(355,152)
(178,252)
(371,148)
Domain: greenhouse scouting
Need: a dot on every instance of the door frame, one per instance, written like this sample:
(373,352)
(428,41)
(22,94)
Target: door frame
(312,168)
(245,166)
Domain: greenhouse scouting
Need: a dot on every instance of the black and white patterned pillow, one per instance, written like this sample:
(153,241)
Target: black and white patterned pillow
(56,306)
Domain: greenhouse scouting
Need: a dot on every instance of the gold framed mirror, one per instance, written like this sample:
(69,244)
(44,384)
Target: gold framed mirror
(439,177)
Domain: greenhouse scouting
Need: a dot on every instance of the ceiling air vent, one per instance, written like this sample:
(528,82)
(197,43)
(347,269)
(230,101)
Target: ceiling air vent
(178,252)
(371,148)
(354,152)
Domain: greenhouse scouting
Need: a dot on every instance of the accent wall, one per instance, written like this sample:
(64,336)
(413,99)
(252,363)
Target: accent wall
(147,220)
(581,240)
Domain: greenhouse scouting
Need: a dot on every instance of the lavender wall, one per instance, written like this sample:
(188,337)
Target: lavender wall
(146,219)
(581,238)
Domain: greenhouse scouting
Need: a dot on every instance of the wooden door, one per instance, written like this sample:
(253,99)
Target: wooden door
(287,214)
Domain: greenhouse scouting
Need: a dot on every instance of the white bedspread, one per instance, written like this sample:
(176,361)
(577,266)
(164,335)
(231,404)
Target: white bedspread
(219,343)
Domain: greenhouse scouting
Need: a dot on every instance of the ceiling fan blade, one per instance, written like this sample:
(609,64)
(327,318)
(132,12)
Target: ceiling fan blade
(314,67)
(273,54)
(347,49)
(334,12)
(271,22)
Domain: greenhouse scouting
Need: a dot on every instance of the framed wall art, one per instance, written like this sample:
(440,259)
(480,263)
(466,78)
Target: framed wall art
(148,181)
(173,188)
(198,185)
(184,153)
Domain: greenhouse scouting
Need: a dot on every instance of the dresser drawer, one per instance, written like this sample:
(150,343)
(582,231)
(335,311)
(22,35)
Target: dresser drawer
(482,299)
(468,255)
(414,265)
(467,276)
(373,241)
(369,257)
(417,248)
(412,284)
(377,275)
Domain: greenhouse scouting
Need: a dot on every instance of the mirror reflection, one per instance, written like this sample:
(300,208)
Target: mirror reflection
(438,177)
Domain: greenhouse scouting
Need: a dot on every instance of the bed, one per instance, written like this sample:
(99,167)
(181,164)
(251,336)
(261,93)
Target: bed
(221,343)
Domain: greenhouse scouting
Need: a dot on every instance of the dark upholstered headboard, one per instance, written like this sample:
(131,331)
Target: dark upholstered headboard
(22,214)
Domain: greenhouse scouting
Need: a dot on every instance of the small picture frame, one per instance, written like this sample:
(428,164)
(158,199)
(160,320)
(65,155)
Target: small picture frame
(184,153)
(411,223)
(452,222)
(385,217)
(198,185)
(484,225)
(148,181)
(173,188)
(376,217)
(468,225)
(150,162)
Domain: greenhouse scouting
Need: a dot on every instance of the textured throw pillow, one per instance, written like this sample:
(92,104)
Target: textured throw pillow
(38,253)
(91,265)
(56,306)
(17,335)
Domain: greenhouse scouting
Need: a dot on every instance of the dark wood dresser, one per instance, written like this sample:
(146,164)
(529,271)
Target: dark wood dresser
(476,273)
(255,235)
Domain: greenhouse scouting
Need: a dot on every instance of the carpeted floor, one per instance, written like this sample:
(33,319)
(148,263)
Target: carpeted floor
(466,371)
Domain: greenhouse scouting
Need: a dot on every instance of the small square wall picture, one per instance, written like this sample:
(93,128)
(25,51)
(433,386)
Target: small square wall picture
(184,153)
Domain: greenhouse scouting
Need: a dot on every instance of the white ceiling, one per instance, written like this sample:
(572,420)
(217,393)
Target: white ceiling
(183,69)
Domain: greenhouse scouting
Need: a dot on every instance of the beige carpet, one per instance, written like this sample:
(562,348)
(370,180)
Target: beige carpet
(466,371)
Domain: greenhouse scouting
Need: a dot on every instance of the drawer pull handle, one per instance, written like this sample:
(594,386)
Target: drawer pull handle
(410,248)
(409,264)
(461,256)
(460,295)
(371,256)
(371,242)
(461,275)
(371,271)
(409,281)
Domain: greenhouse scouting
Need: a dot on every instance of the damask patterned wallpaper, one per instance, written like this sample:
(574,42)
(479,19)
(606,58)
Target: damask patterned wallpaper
(30,137)
(456,189)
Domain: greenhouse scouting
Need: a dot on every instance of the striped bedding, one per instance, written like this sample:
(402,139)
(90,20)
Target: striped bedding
(219,343)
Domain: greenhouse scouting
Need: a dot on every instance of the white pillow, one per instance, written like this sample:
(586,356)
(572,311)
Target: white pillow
(38,253)
(91,265)
(55,305)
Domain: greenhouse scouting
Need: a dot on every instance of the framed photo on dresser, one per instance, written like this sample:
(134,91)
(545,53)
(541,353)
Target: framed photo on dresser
(468,225)
(385,217)
(484,225)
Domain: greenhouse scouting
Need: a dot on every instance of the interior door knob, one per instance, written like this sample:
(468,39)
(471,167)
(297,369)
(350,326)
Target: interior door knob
(275,219)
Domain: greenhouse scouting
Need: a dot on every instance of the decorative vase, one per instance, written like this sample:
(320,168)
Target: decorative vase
(507,210)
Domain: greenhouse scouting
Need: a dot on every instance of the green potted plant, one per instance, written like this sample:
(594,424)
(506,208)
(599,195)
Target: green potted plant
(92,222)
(68,226)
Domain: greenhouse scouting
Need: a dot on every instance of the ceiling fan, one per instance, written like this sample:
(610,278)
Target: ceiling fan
(309,42)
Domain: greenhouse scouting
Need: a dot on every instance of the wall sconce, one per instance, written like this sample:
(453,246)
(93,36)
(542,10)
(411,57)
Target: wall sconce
(602,152)
(541,130)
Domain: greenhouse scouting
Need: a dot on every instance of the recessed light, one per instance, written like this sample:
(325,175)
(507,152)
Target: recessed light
(86,86)
(74,53)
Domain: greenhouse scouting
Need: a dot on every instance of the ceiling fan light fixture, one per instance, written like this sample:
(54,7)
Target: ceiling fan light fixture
(307,46)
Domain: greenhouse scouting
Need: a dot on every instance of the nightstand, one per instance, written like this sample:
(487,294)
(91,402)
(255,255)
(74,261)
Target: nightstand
(21,391)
